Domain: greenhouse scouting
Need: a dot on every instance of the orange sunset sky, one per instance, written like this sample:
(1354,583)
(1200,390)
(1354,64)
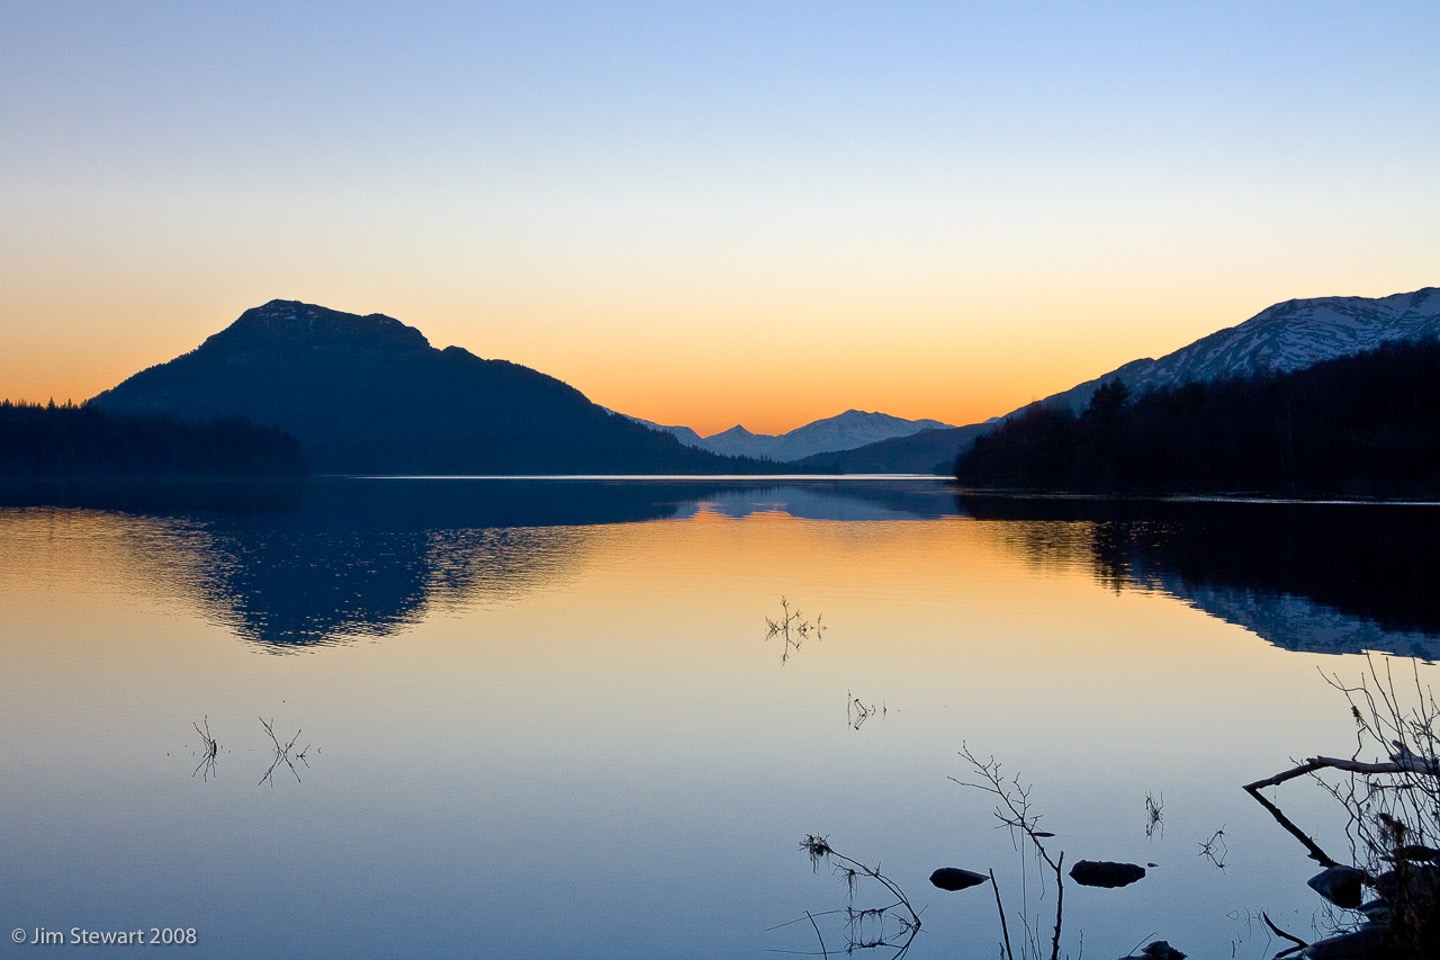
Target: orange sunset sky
(757,213)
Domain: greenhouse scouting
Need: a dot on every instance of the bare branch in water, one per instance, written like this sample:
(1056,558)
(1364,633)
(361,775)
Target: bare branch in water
(866,927)
(793,629)
(284,753)
(1014,812)
(209,752)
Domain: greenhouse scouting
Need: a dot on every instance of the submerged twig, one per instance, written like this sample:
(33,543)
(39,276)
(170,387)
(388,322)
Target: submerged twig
(865,928)
(793,629)
(284,753)
(210,751)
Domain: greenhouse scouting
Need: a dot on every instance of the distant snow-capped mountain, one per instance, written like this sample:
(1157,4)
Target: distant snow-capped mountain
(846,431)
(1284,337)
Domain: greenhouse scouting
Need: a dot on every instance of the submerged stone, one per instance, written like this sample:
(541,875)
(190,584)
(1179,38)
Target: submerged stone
(1105,873)
(1340,885)
(1367,943)
(1157,950)
(954,878)
(1410,883)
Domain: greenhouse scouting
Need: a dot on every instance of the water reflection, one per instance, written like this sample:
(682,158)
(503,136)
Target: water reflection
(209,753)
(829,500)
(1317,578)
(287,587)
(589,711)
(352,558)
(340,559)
(286,754)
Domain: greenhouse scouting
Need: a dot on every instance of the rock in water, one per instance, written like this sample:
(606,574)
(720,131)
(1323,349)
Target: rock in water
(953,878)
(1367,943)
(1105,873)
(1157,950)
(1340,885)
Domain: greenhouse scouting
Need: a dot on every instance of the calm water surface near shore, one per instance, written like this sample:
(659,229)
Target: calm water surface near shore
(543,719)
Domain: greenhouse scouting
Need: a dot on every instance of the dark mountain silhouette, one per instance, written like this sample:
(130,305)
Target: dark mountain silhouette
(845,431)
(368,394)
(1360,425)
(929,451)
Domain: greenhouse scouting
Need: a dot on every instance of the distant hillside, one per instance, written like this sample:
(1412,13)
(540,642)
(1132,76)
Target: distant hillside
(1361,425)
(1284,337)
(845,431)
(930,451)
(1287,336)
(368,394)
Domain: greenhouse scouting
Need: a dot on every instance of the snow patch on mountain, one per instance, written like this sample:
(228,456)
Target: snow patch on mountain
(846,431)
(1281,338)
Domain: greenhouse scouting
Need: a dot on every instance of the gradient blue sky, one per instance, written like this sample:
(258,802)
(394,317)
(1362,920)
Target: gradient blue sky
(711,213)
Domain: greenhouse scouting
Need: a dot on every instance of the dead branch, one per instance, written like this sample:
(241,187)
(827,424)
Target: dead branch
(1401,762)
(1316,853)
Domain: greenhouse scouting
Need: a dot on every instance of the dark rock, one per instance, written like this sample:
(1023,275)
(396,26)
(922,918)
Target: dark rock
(1342,886)
(1105,873)
(954,878)
(1157,950)
(1367,943)
(1414,884)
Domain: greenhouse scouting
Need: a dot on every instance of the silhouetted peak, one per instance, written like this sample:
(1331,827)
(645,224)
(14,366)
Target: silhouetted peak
(462,354)
(294,323)
(736,431)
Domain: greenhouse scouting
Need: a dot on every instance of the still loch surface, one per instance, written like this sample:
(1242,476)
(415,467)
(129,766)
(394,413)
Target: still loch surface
(543,719)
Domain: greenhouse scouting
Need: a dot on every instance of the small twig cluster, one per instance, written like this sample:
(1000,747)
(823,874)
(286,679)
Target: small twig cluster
(1014,812)
(891,926)
(284,753)
(209,751)
(858,711)
(1154,816)
(1215,849)
(793,629)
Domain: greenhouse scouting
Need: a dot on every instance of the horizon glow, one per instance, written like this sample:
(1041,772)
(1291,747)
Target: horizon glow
(749,214)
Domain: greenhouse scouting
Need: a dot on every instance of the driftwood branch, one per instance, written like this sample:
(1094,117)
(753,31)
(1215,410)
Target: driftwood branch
(1316,854)
(1403,761)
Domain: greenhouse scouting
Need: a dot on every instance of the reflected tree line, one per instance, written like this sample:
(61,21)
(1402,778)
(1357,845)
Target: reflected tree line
(1360,573)
(333,559)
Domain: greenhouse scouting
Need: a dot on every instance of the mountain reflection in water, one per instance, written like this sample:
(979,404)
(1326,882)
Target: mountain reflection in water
(1312,577)
(366,557)
(349,558)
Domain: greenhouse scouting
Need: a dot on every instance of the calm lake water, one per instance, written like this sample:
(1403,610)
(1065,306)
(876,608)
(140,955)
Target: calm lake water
(543,718)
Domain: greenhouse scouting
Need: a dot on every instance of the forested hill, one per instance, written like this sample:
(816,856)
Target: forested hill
(1362,425)
(368,394)
(44,443)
